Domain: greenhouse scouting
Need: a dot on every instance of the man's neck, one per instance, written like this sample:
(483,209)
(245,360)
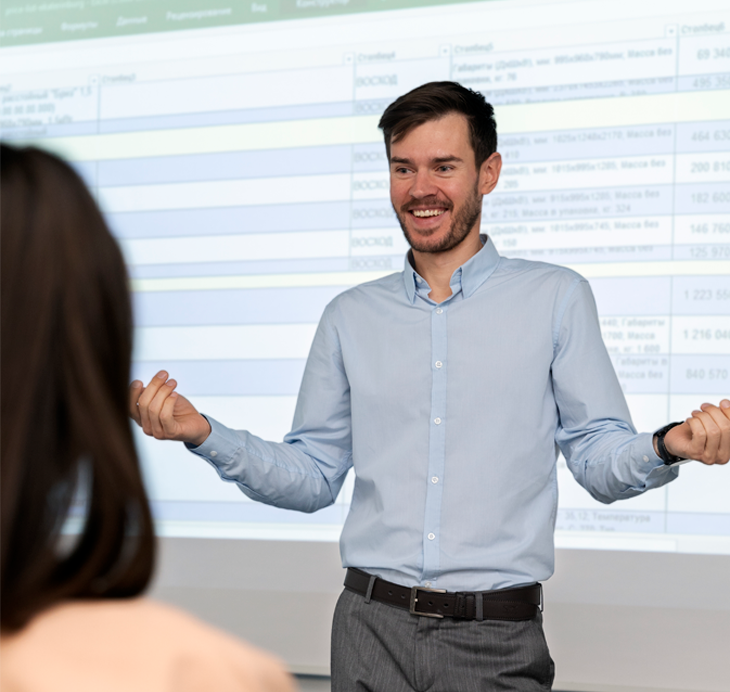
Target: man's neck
(437,268)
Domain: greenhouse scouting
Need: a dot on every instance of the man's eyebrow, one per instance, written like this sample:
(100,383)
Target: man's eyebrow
(440,159)
(447,159)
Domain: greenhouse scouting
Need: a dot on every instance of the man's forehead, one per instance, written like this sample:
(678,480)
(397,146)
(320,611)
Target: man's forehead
(452,122)
(442,139)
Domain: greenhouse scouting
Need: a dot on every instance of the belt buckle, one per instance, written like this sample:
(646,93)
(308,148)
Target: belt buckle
(414,600)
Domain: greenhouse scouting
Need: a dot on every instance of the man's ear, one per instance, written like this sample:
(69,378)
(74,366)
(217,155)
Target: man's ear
(489,173)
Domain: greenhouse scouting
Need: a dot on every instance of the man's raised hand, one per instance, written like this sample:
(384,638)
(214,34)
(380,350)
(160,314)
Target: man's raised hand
(704,436)
(164,414)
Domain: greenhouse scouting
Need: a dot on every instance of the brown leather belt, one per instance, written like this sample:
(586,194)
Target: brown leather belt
(521,603)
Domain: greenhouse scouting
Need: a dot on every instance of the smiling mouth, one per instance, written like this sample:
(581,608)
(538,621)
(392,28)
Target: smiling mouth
(425,213)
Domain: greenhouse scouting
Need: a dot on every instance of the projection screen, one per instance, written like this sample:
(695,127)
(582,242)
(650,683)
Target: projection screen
(234,149)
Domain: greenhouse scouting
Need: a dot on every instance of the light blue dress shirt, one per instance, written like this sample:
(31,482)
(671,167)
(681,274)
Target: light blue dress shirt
(451,415)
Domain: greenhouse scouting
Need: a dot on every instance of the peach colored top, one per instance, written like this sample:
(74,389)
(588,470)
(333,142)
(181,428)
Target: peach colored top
(132,646)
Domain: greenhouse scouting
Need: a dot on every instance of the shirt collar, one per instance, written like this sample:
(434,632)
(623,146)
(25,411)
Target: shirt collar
(474,272)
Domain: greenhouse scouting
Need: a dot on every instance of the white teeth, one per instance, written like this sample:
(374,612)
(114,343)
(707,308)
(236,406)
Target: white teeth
(423,213)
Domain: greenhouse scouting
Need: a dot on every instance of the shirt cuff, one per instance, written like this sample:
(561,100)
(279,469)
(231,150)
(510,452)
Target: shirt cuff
(653,465)
(220,446)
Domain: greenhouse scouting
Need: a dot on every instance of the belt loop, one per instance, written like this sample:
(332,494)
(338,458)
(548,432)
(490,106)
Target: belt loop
(369,592)
(480,606)
(469,598)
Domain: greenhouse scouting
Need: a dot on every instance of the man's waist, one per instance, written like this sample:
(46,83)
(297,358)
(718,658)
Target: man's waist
(516,603)
(526,571)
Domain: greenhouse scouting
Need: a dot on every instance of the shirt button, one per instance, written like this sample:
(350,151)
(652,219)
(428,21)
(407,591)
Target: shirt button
(431,536)
(437,421)
(214,454)
(438,364)
(435,479)
(646,458)
(439,311)
(428,584)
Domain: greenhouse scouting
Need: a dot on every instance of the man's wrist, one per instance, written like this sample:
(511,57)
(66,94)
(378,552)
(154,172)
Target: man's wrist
(204,435)
(660,447)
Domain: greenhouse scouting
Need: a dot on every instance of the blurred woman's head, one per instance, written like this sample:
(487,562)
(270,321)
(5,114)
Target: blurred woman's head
(66,344)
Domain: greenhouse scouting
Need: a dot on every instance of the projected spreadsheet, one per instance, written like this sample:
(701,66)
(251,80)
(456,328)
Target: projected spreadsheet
(246,193)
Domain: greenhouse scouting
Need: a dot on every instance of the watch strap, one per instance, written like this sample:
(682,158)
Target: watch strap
(664,454)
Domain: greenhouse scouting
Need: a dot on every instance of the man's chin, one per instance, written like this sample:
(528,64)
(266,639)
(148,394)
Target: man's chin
(433,242)
(427,247)
(423,241)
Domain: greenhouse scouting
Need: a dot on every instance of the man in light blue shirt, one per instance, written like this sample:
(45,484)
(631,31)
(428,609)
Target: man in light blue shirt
(449,388)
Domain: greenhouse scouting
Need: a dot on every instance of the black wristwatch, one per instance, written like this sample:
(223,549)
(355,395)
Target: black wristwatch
(664,454)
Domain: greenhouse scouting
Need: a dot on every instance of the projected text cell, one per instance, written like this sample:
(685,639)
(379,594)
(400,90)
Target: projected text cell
(223,342)
(252,246)
(225,193)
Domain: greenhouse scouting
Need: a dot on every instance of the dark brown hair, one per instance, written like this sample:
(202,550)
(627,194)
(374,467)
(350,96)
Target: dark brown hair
(433,101)
(66,344)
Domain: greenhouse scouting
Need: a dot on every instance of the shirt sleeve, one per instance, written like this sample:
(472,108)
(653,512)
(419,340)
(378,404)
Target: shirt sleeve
(595,433)
(306,471)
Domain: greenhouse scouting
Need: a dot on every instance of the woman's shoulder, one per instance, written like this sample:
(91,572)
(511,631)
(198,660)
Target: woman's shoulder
(134,644)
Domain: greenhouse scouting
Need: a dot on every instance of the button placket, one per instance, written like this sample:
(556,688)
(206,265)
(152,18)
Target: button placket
(437,437)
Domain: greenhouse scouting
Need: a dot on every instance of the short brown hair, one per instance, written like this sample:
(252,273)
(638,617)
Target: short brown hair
(435,100)
(66,349)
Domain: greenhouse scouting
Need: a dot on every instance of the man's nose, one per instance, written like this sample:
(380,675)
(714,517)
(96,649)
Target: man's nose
(423,185)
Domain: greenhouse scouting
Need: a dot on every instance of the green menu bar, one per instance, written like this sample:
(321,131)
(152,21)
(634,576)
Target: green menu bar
(24,22)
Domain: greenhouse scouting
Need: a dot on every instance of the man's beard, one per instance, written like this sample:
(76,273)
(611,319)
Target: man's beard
(461,224)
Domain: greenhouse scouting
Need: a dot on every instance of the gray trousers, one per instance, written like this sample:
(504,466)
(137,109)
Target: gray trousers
(379,648)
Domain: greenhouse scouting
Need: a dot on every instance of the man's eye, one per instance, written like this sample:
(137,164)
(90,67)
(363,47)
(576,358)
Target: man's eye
(445,169)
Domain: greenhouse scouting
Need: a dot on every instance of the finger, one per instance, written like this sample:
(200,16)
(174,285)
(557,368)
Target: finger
(135,390)
(167,417)
(725,407)
(723,424)
(156,406)
(712,436)
(147,397)
(697,444)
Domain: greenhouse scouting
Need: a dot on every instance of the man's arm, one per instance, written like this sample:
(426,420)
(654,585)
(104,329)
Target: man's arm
(595,433)
(305,472)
